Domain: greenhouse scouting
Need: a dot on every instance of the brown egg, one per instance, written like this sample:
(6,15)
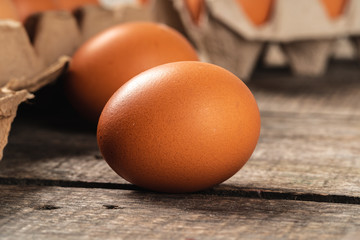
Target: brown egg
(71,5)
(7,10)
(196,9)
(143,2)
(179,127)
(107,61)
(334,8)
(25,8)
(258,11)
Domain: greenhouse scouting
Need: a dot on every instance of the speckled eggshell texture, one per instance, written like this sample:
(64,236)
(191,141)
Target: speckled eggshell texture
(179,127)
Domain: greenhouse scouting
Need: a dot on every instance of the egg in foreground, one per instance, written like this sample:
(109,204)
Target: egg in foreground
(179,127)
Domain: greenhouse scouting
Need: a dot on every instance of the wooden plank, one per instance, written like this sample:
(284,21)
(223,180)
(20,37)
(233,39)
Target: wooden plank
(305,153)
(68,213)
(301,153)
(337,92)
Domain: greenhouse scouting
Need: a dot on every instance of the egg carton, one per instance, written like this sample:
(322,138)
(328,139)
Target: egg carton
(22,72)
(21,66)
(37,53)
(302,31)
(9,102)
(57,33)
(342,49)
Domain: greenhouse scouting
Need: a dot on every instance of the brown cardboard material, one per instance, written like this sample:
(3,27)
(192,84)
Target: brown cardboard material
(20,66)
(291,20)
(9,102)
(308,57)
(18,90)
(165,12)
(55,34)
(41,79)
(302,28)
(236,50)
(343,49)
(221,46)
(275,56)
(18,58)
(94,19)
(58,33)
(22,71)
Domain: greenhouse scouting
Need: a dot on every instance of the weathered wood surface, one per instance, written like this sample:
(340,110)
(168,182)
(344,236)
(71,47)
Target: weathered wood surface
(54,183)
(66,213)
(304,153)
(337,92)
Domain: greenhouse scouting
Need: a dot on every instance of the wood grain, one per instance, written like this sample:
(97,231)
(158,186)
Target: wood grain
(66,213)
(337,92)
(304,153)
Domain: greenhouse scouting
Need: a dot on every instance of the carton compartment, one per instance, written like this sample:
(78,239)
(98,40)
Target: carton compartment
(303,32)
(37,56)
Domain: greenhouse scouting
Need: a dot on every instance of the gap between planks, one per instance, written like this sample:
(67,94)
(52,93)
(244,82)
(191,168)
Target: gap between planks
(68,213)
(221,190)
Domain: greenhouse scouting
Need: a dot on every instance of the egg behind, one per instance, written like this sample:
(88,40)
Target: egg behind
(7,10)
(258,11)
(25,8)
(179,127)
(71,5)
(108,60)
(334,8)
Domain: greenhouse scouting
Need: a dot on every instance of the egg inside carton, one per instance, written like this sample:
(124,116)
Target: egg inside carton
(303,33)
(38,52)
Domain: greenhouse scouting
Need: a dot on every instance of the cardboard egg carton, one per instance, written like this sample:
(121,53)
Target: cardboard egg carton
(53,34)
(302,29)
(342,49)
(57,33)
(37,53)
(22,71)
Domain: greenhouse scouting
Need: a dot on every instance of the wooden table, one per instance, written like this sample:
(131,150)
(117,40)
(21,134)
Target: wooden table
(302,182)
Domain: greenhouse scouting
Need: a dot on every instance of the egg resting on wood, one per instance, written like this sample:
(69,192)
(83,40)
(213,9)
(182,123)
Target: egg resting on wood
(179,127)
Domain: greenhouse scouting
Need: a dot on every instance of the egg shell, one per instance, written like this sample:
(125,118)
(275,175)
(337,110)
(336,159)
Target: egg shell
(107,61)
(195,8)
(7,10)
(25,8)
(71,5)
(258,11)
(143,2)
(334,8)
(179,127)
